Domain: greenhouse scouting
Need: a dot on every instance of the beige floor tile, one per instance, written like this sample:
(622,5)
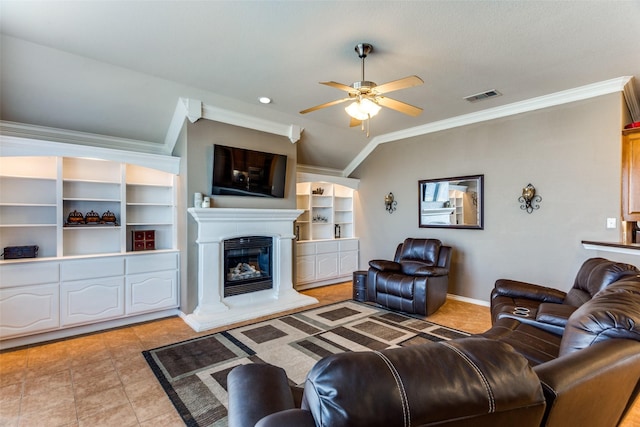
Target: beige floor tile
(101,401)
(119,416)
(47,383)
(90,369)
(9,413)
(168,419)
(141,389)
(61,413)
(151,406)
(97,383)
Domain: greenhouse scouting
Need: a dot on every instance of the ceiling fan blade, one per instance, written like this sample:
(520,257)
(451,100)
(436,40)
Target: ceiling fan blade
(355,122)
(325,105)
(399,84)
(399,106)
(339,86)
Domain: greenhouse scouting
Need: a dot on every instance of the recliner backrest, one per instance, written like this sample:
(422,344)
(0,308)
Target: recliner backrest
(595,275)
(424,250)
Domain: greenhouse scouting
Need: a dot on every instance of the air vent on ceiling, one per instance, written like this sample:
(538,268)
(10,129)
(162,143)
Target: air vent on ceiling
(483,95)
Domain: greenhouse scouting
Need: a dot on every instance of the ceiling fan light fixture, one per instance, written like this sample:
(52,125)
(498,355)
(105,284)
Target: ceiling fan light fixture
(362,109)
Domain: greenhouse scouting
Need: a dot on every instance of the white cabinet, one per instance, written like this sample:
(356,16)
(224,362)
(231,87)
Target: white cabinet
(86,276)
(152,283)
(29,309)
(323,262)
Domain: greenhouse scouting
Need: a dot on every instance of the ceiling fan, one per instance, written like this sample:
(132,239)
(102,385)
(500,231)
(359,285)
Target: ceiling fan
(368,97)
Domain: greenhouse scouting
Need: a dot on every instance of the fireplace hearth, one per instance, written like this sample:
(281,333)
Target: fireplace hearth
(233,278)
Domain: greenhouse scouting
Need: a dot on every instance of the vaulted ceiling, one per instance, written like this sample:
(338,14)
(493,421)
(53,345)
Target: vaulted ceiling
(118,68)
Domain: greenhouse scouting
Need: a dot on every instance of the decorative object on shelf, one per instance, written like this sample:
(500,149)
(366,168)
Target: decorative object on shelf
(109,218)
(297,233)
(390,203)
(529,199)
(143,240)
(17,252)
(318,191)
(336,231)
(197,200)
(320,218)
(92,218)
(74,218)
(206,203)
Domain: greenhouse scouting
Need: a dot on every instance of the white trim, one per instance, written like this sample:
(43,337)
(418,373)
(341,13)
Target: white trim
(602,248)
(469,300)
(352,183)
(551,100)
(19,146)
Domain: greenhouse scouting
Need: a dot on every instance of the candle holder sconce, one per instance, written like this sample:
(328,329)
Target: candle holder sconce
(390,203)
(529,199)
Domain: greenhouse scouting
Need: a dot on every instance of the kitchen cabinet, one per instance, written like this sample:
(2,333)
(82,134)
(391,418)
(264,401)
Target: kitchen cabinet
(631,174)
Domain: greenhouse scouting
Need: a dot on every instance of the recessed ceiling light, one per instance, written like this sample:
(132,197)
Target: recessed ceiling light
(483,95)
(264,100)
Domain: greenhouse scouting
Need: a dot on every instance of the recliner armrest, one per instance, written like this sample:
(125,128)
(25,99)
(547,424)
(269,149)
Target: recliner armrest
(384,265)
(554,314)
(288,418)
(431,271)
(517,289)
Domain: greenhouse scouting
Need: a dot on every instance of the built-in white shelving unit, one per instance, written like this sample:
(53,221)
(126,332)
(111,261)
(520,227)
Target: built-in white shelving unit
(86,276)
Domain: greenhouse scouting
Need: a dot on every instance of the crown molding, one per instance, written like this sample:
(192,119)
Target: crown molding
(194,110)
(619,84)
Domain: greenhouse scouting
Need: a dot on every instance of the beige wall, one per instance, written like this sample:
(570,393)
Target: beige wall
(570,153)
(196,151)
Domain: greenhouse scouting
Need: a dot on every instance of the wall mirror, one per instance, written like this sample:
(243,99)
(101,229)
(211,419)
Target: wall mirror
(451,202)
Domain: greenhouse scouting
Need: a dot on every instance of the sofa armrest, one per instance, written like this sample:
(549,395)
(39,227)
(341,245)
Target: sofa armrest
(383,265)
(288,418)
(268,382)
(517,289)
(555,314)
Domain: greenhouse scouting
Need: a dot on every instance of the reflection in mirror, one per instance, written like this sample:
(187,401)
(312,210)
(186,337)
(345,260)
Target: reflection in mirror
(451,202)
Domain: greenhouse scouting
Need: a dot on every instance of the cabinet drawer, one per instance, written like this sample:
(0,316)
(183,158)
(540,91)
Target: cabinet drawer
(305,248)
(326,247)
(152,262)
(91,268)
(29,273)
(149,292)
(348,245)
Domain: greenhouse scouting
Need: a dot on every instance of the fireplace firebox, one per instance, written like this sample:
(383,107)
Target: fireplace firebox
(248,265)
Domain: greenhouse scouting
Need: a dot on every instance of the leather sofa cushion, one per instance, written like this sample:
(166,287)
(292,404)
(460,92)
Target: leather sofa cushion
(606,316)
(464,379)
(554,314)
(595,275)
(383,265)
(418,268)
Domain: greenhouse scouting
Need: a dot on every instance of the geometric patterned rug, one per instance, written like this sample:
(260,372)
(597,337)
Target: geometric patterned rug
(193,373)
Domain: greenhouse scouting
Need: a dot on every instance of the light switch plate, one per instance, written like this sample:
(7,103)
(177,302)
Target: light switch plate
(611,223)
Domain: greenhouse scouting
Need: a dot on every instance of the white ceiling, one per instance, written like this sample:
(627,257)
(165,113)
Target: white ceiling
(118,67)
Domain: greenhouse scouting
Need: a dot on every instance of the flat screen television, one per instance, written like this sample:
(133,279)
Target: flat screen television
(242,172)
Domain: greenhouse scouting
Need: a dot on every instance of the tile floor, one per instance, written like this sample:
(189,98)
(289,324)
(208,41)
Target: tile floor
(101,379)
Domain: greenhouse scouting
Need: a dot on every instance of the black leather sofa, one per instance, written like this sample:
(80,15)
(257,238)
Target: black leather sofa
(417,279)
(513,374)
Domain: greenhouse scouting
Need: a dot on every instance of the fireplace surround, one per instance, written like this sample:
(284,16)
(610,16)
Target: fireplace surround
(217,225)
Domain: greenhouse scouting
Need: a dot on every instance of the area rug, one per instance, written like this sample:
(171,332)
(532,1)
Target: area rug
(194,373)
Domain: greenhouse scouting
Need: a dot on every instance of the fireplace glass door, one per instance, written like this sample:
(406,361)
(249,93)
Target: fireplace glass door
(247,265)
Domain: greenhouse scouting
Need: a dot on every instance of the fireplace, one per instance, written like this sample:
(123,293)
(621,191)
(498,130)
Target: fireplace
(248,264)
(233,272)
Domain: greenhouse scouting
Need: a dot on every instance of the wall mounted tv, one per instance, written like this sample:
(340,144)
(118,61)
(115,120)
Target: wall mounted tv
(242,172)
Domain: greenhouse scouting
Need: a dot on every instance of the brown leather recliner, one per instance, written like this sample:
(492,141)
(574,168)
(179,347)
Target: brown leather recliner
(469,381)
(550,308)
(417,279)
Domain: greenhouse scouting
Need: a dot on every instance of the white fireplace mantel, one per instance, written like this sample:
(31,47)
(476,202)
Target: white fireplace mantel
(215,225)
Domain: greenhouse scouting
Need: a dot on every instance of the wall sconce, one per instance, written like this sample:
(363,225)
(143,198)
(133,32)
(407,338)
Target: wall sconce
(529,199)
(390,203)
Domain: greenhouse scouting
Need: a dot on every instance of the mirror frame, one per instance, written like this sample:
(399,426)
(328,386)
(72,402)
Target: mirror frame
(480,198)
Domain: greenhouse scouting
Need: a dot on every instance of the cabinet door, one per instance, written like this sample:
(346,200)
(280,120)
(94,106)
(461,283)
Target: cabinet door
(91,300)
(28,309)
(151,291)
(348,262)
(305,269)
(631,176)
(326,266)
